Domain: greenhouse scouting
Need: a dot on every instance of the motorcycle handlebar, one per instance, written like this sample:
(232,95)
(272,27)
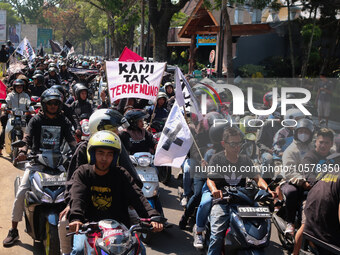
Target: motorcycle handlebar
(143,226)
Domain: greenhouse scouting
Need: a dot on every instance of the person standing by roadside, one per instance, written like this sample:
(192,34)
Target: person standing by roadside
(323,98)
(3,59)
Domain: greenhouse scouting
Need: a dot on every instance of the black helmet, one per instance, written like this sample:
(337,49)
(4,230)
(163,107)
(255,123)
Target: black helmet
(134,115)
(52,65)
(212,117)
(39,77)
(61,89)
(18,82)
(38,72)
(51,94)
(304,123)
(78,88)
(216,131)
(52,69)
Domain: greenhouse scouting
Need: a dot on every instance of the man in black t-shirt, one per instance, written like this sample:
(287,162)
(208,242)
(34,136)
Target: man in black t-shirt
(227,168)
(45,131)
(323,210)
(314,161)
(102,190)
(322,207)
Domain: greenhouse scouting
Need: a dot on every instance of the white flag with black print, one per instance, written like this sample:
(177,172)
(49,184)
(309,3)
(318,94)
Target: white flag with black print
(184,94)
(175,141)
(25,49)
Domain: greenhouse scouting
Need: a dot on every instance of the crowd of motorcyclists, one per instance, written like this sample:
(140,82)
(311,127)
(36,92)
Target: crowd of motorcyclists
(102,183)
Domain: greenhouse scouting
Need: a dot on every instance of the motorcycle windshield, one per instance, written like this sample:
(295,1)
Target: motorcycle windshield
(51,159)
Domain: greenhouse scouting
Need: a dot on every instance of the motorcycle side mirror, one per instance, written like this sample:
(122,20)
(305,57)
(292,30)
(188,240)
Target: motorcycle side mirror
(18,144)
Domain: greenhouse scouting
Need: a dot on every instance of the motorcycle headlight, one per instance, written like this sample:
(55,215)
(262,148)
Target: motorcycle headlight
(46,198)
(60,198)
(144,161)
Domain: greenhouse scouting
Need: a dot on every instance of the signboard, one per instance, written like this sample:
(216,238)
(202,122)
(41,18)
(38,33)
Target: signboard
(206,40)
(14,34)
(212,56)
(134,79)
(30,31)
(44,35)
(3,26)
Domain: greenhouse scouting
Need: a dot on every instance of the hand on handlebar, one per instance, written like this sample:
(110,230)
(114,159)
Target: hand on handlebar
(157,227)
(75,226)
(217,194)
(21,156)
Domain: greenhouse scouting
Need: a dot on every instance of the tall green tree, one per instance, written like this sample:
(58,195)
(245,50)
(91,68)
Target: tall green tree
(12,16)
(31,11)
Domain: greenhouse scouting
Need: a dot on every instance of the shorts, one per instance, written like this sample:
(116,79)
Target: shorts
(324,108)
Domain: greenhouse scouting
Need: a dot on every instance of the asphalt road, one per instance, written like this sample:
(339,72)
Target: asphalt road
(171,241)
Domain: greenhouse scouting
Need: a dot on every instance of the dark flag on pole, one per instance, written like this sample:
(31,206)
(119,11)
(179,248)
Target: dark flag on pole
(67,47)
(55,47)
(41,51)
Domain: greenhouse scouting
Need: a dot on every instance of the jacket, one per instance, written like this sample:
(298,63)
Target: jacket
(20,101)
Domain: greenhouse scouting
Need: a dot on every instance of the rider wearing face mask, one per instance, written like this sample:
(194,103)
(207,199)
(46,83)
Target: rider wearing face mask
(291,160)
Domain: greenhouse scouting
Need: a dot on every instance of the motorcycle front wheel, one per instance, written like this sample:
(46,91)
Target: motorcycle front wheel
(51,243)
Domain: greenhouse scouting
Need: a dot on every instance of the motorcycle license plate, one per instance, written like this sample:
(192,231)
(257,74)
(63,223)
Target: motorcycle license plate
(253,212)
(54,181)
(148,177)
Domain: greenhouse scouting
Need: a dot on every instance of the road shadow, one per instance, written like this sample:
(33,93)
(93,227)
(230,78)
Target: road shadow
(173,241)
(169,200)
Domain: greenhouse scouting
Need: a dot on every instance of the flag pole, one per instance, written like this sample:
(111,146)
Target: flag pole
(155,105)
(195,143)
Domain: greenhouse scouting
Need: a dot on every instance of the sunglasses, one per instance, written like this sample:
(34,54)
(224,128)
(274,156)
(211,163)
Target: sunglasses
(53,103)
(235,144)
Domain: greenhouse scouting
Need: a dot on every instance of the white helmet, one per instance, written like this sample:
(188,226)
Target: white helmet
(103,119)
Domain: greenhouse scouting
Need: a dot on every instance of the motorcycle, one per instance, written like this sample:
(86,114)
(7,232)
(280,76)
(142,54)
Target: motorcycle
(250,226)
(111,237)
(37,103)
(14,131)
(85,131)
(45,200)
(143,162)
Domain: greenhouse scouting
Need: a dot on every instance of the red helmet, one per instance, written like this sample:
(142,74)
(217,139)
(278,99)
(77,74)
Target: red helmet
(267,99)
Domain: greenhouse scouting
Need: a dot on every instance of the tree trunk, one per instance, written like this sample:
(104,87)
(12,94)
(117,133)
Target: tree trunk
(142,29)
(305,64)
(331,49)
(160,50)
(83,47)
(192,54)
(291,47)
(230,71)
